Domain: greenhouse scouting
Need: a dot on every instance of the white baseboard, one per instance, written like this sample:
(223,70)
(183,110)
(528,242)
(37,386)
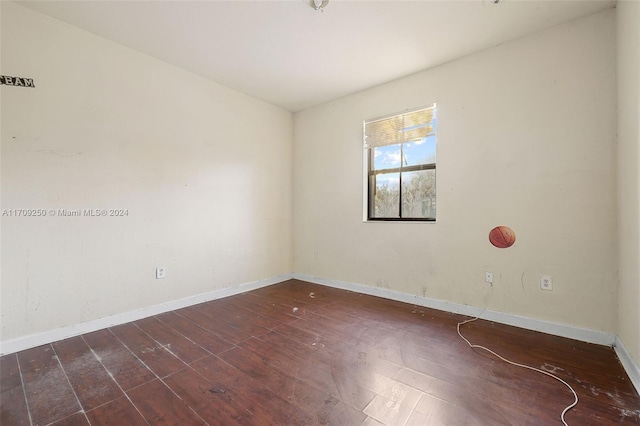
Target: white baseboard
(563,330)
(33,340)
(629,364)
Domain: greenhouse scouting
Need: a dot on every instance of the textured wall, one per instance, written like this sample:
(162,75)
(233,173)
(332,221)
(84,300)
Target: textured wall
(628,14)
(204,172)
(526,138)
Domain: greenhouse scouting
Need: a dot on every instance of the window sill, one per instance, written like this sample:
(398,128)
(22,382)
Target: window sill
(399,221)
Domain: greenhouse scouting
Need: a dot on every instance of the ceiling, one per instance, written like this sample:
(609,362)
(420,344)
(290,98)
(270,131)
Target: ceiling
(290,55)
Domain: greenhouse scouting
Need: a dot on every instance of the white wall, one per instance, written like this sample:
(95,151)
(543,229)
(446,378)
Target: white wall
(526,138)
(628,178)
(205,173)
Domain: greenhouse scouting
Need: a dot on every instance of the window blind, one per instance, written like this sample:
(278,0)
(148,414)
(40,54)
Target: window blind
(399,128)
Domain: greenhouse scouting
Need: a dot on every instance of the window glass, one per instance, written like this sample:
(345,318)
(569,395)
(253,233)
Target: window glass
(387,195)
(419,194)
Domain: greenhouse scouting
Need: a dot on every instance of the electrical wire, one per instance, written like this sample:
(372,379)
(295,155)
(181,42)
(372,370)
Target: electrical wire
(575,395)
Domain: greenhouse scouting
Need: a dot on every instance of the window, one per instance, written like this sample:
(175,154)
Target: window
(400,152)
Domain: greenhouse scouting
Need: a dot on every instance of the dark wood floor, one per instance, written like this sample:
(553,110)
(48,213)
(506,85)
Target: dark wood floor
(301,354)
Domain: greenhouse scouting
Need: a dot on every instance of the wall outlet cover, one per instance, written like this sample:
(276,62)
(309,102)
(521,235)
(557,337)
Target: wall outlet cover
(160,273)
(546,283)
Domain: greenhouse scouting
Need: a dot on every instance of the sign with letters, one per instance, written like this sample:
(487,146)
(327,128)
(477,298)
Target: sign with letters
(16,81)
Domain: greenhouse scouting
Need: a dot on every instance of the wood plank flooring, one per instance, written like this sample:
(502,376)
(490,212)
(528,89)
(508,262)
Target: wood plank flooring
(302,354)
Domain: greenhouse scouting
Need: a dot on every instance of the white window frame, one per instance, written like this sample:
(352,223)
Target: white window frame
(367,171)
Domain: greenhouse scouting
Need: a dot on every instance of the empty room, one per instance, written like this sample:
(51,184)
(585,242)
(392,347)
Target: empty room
(312,212)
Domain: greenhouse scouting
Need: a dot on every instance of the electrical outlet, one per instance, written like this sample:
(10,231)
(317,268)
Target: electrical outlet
(488,277)
(546,283)
(160,273)
(314,254)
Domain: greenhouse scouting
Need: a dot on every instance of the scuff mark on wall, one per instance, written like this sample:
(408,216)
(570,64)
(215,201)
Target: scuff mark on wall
(56,153)
(382,283)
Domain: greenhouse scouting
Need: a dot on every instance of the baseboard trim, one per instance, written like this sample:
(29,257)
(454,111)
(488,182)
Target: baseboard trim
(629,364)
(50,336)
(585,335)
(562,330)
